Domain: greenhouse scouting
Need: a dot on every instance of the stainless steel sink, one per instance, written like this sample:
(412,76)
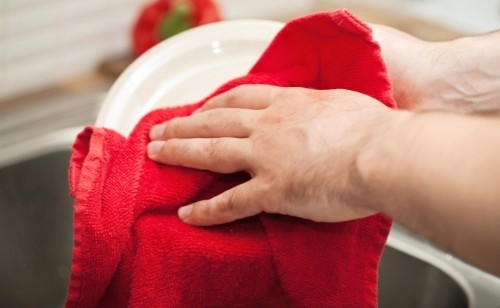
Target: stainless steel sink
(406,281)
(36,212)
(36,237)
(35,231)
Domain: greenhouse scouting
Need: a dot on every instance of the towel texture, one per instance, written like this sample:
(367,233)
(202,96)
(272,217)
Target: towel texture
(131,250)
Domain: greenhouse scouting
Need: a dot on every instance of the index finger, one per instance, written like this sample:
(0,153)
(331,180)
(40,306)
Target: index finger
(245,96)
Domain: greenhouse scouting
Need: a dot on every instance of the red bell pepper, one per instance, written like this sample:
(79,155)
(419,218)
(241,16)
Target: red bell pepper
(162,19)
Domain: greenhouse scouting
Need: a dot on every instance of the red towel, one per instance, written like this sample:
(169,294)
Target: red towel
(132,250)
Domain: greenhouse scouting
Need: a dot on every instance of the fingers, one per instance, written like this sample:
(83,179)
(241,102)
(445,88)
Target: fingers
(223,122)
(222,155)
(236,203)
(245,97)
(262,96)
(231,114)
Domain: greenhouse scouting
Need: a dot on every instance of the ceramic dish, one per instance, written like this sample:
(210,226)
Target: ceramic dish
(184,69)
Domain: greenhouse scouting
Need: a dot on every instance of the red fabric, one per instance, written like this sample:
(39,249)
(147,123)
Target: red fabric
(132,250)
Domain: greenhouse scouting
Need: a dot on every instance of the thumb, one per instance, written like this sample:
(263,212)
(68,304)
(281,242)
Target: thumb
(236,203)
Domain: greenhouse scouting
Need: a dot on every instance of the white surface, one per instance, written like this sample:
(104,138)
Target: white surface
(184,69)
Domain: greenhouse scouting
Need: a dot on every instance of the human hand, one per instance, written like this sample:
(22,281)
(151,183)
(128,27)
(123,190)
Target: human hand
(301,147)
(455,75)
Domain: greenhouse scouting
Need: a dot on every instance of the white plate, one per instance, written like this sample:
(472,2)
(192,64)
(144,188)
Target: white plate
(184,69)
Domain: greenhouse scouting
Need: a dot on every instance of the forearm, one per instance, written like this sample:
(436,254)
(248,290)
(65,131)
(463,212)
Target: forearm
(439,175)
(467,73)
(462,75)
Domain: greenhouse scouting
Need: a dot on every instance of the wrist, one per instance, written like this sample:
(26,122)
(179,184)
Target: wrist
(407,62)
(380,161)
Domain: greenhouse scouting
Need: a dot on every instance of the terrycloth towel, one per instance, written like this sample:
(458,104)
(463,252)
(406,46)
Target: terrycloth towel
(132,250)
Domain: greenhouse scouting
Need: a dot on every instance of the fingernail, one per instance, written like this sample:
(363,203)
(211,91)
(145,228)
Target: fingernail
(157,131)
(154,147)
(185,211)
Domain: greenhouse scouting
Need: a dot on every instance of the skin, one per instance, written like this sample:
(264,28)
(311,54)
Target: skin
(338,155)
(461,76)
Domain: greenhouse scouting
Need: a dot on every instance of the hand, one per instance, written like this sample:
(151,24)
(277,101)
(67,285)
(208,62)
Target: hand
(461,75)
(337,155)
(300,146)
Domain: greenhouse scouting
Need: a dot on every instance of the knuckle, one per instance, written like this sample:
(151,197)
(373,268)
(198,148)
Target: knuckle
(172,129)
(161,155)
(202,210)
(213,150)
(213,211)
(201,214)
(267,189)
(273,117)
(173,149)
(206,125)
(277,94)
(205,129)
(235,93)
(225,203)
(230,206)
(310,94)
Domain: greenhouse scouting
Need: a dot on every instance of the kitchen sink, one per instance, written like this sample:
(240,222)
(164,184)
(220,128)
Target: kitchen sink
(406,281)
(36,241)
(36,215)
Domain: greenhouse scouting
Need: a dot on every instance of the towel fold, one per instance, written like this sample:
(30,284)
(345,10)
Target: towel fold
(131,250)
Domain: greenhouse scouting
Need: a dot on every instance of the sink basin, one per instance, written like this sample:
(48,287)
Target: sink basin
(35,231)
(406,281)
(36,241)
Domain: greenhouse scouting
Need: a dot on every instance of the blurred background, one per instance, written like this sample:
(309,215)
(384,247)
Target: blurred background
(49,45)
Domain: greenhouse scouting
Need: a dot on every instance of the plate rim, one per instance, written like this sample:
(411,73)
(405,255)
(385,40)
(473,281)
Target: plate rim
(145,63)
